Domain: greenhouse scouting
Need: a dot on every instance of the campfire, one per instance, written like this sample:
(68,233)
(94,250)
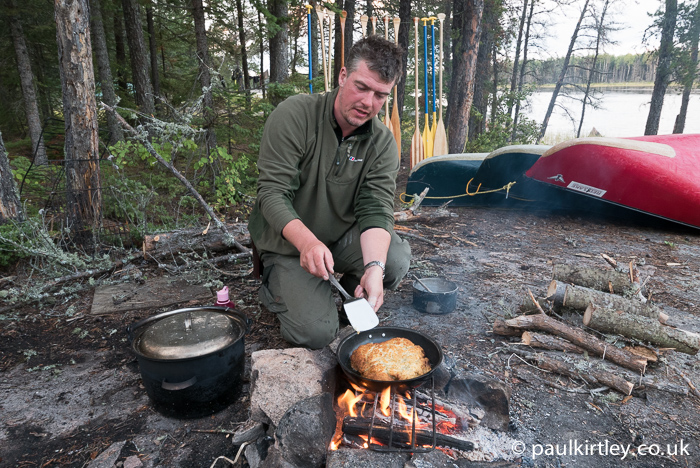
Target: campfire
(401,420)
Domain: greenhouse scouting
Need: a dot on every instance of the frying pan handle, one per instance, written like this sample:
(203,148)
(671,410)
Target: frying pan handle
(179,385)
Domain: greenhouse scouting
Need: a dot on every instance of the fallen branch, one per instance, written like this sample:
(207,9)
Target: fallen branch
(416,236)
(580,338)
(553,343)
(499,327)
(641,328)
(178,175)
(591,375)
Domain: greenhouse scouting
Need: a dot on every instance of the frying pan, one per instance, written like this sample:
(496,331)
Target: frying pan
(377,335)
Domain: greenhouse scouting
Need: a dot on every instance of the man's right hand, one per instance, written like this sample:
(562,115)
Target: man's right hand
(317,260)
(314,256)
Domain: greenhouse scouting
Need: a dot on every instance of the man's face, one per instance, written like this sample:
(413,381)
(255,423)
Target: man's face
(360,97)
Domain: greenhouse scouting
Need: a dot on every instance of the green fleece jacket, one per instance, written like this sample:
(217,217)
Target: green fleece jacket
(306,174)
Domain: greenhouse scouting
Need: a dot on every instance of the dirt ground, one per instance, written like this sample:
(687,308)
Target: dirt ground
(70,386)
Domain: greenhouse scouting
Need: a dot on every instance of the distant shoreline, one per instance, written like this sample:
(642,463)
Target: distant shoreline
(633,86)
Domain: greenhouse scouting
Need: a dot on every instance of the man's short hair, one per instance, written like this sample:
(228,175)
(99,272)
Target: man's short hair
(381,56)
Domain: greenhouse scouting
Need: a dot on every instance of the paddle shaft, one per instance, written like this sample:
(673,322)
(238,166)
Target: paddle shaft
(427,133)
(321,26)
(343,15)
(311,68)
(440,144)
(395,120)
(417,140)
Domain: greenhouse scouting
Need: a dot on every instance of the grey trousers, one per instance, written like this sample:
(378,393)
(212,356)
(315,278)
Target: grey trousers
(304,303)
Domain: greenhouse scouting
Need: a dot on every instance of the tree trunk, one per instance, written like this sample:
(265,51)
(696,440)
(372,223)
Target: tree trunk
(404,34)
(84,200)
(464,68)
(262,53)
(244,50)
(26,77)
(279,59)
(562,74)
(155,79)
(370,12)
(10,207)
(104,69)
(138,54)
(482,84)
(679,125)
(119,49)
(664,70)
(521,77)
(516,58)
(204,62)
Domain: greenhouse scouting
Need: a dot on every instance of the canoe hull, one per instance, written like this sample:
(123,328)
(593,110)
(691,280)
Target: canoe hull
(657,175)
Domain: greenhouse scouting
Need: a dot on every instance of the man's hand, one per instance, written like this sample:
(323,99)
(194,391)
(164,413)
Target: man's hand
(314,256)
(372,287)
(317,260)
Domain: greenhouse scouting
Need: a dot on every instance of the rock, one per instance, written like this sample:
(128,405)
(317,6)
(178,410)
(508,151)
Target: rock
(490,395)
(353,458)
(281,377)
(109,457)
(305,431)
(432,459)
(133,462)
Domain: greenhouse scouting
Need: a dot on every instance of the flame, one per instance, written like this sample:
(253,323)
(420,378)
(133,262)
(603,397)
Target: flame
(403,410)
(385,401)
(347,401)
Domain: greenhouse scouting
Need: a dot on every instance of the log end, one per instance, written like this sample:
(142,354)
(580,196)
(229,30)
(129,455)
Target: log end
(552,289)
(587,314)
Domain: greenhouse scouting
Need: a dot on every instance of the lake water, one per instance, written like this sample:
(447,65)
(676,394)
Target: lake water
(621,114)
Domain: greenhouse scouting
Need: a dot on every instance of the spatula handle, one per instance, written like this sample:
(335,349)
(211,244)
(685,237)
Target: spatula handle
(335,283)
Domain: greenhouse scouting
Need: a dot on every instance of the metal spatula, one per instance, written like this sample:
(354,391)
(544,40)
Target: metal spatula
(360,314)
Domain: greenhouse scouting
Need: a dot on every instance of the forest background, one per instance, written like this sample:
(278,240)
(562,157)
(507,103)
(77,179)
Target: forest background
(188,78)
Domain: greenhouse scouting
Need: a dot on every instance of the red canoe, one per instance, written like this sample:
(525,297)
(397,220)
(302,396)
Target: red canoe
(659,175)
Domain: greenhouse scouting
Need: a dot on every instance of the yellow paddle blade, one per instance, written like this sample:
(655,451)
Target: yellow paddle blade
(425,135)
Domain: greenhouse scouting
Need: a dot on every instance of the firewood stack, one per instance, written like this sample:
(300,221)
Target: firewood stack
(609,302)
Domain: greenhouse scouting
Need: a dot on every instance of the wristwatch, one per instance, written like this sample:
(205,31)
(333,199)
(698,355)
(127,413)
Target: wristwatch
(376,263)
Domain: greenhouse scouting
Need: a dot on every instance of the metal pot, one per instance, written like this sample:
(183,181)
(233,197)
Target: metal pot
(191,360)
(380,334)
(440,299)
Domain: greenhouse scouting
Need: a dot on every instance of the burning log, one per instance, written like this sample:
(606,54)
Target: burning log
(553,343)
(580,338)
(641,328)
(591,376)
(579,298)
(611,281)
(381,433)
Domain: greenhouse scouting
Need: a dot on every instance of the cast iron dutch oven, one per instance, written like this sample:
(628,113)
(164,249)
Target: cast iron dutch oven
(377,335)
(191,360)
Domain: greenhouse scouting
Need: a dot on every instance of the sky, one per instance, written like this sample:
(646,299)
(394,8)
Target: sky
(631,15)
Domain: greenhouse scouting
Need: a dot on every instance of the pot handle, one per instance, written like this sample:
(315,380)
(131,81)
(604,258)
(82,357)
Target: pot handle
(179,385)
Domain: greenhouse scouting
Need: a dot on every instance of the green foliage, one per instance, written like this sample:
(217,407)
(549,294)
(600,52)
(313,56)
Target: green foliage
(10,235)
(231,180)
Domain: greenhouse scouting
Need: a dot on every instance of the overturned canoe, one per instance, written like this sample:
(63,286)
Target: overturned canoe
(657,175)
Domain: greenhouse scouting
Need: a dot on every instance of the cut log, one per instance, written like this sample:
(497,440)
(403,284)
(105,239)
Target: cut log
(591,375)
(543,341)
(641,328)
(529,307)
(594,278)
(380,432)
(500,328)
(567,296)
(580,338)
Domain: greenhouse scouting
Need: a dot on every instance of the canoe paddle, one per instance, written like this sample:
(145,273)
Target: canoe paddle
(417,140)
(427,134)
(374,24)
(440,145)
(311,68)
(363,22)
(330,14)
(395,121)
(387,117)
(343,15)
(321,26)
(433,126)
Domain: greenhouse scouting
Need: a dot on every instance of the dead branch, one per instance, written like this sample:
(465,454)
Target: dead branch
(591,376)
(553,343)
(580,338)
(178,175)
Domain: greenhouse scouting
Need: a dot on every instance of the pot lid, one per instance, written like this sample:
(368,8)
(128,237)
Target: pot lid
(174,338)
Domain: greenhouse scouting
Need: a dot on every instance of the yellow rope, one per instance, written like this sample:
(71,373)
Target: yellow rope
(467,194)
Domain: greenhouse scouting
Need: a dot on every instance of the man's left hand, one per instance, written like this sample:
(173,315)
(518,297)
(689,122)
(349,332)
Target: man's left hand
(372,288)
